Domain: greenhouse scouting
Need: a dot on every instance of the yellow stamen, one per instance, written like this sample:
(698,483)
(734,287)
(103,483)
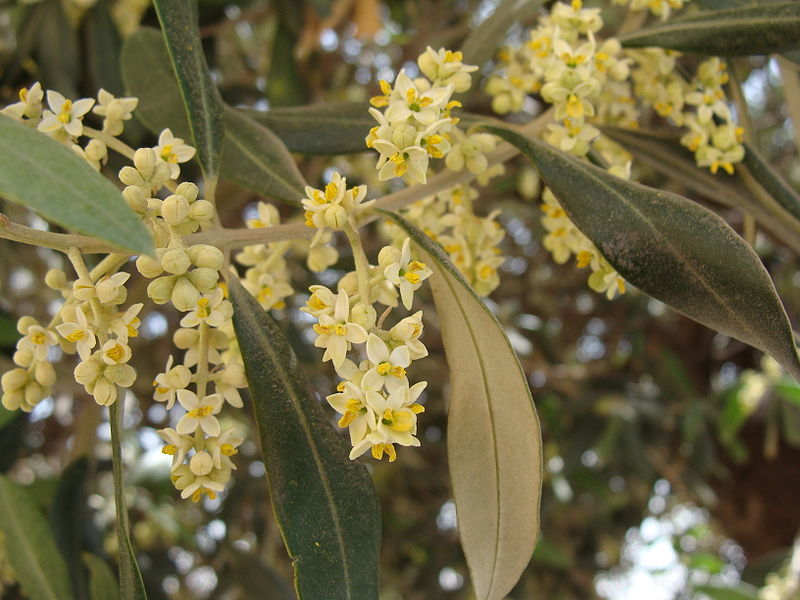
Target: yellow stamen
(584,258)
(169,449)
(38,338)
(201,411)
(76,336)
(228,450)
(384,368)
(115,353)
(340,329)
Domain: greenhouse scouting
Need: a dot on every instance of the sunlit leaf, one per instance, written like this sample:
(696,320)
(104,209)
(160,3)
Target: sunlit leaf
(742,30)
(324,503)
(671,248)
(37,563)
(202,100)
(37,171)
(494,444)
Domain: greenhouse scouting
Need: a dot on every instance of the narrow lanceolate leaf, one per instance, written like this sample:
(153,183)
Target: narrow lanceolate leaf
(68,516)
(178,20)
(338,128)
(48,177)
(484,40)
(324,503)
(256,158)
(102,583)
(494,444)
(251,154)
(734,31)
(772,182)
(32,551)
(671,248)
(665,154)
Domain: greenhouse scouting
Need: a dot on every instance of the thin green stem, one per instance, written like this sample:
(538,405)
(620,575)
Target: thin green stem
(202,360)
(110,141)
(362,263)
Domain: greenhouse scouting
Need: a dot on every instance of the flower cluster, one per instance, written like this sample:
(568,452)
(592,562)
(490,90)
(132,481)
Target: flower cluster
(660,8)
(63,119)
(30,382)
(415,125)
(375,399)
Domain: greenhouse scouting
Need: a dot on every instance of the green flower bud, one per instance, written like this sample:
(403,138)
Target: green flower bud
(204,279)
(176,262)
(185,338)
(203,255)
(335,216)
(184,295)
(13,400)
(149,267)
(136,197)
(160,289)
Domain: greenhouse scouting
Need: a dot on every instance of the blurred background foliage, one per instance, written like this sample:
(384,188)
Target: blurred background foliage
(672,452)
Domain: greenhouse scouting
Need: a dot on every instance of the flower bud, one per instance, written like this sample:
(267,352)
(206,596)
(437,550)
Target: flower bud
(335,216)
(160,290)
(136,197)
(105,392)
(179,377)
(175,209)
(202,210)
(404,135)
(188,190)
(201,463)
(145,159)
(364,314)
(13,400)
(203,255)
(217,337)
(176,261)
(96,150)
(428,65)
(34,393)
(184,295)
(349,283)
(55,279)
(461,82)
(130,176)
(501,104)
(14,380)
(204,279)
(185,338)
(149,267)
(321,257)
(23,358)
(388,255)
(44,373)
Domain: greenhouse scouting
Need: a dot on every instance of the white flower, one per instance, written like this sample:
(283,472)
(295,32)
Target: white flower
(211,308)
(127,325)
(389,368)
(177,444)
(108,288)
(320,302)
(408,102)
(224,446)
(194,486)
(115,352)
(37,340)
(64,114)
(168,383)
(407,274)
(228,381)
(115,110)
(337,332)
(407,331)
(172,151)
(398,162)
(351,404)
(80,333)
(29,105)
(200,413)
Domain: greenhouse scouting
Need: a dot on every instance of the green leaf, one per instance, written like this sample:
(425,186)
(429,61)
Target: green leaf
(13,427)
(57,50)
(494,444)
(324,503)
(284,84)
(338,128)
(131,586)
(256,158)
(68,519)
(37,562)
(742,30)
(178,20)
(772,182)
(251,154)
(671,248)
(37,171)
(8,331)
(104,45)
(102,583)
(664,154)
(481,44)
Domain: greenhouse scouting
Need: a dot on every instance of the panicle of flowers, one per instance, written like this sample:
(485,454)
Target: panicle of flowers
(375,399)
(416,122)
(62,119)
(660,8)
